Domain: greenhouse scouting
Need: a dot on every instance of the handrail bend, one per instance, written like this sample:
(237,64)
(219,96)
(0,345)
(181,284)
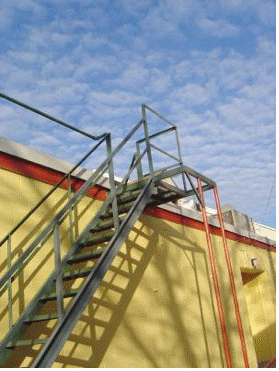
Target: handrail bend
(41,113)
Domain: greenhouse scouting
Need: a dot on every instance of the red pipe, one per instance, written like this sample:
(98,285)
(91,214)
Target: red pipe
(215,280)
(231,277)
(271,363)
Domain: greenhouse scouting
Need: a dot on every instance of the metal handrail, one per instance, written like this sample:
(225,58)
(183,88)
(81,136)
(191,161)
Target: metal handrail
(59,217)
(33,247)
(88,183)
(41,113)
(144,106)
(31,212)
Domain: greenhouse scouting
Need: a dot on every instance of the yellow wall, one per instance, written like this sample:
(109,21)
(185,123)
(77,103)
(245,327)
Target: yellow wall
(261,315)
(156,306)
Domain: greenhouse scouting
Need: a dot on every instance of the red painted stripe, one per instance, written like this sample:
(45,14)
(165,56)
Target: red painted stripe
(192,223)
(45,174)
(50,176)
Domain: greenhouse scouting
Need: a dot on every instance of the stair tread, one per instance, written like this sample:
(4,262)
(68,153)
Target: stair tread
(127,196)
(41,317)
(53,296)
(28,342)
(137,185)
(77,273)
(97,238)
(86,256)
(121,210)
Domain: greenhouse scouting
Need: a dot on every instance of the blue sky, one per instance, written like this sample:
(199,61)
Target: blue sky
(209,66)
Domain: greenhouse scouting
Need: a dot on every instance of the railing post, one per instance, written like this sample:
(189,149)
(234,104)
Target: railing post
(10,293)
(70,211)
(139,166)
(112,185)
(146,134)
(59,277)
(180,159)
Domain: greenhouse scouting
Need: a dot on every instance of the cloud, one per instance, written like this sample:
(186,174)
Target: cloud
(159,81)
(267,13)
(135,7)
(134,77)
(217,28)
(116,98)
(195,94)
(156,26)
(198,63)
(12,10)
(6,18)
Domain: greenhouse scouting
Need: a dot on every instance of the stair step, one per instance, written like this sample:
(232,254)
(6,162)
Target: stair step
(104,225)
(121,210)
(53,296)
(85,256)
(127,196)
(165,198)
(135,185)
(77,273)
(41,317)
(98,238)
(28,342)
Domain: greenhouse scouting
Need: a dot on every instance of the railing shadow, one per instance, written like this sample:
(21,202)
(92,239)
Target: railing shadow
(146,249)
(29,280)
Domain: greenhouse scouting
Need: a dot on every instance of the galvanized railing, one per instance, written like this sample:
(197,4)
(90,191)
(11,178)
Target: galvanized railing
(54,226)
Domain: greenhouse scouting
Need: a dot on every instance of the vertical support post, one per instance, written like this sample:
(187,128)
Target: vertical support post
(215,280)
(10,292)
(231,277)
(112,186)
(59,278)
(147,140)
(180,159)
(70,211)
(139,166)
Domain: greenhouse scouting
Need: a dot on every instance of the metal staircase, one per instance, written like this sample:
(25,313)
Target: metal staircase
(90,256)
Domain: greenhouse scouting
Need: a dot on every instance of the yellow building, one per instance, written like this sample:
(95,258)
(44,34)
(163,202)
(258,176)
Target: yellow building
(156,305)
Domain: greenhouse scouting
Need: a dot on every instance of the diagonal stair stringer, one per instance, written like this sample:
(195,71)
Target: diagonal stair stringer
(54,344)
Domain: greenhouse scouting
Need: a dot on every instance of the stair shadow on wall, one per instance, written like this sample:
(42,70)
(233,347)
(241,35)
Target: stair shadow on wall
(97,327)
(94,332)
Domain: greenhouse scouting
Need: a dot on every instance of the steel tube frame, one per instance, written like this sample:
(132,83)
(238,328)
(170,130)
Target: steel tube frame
(55,342)
(110,249)
(74,199)
(112,185)
(157,134)
(10,292)
(146,133)
(180,158)
(41,113)
(59,277)
(66,176)
(193,187)
(48,284)
(215,280)
(70,211)
(231,277)
(164,152)
(144,106)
